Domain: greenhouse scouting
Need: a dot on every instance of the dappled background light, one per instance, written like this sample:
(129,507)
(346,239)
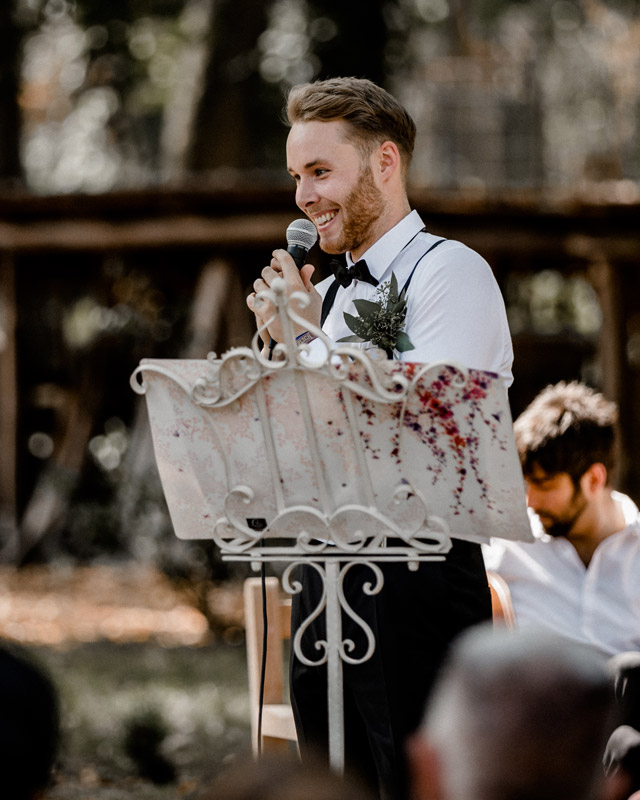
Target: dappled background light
(549,302)
(506,94)
(109,105)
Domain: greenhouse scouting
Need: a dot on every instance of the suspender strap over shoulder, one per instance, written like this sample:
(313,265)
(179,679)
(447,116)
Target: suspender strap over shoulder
(330,296)
(328,301)
(433,247)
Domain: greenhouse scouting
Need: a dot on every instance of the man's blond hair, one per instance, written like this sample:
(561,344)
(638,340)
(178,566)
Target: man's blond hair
(372,114)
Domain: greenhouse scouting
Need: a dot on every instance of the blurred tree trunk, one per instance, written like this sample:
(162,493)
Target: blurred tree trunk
(10,173)
(228,125)
(10,36)
(237,123)
(358,48)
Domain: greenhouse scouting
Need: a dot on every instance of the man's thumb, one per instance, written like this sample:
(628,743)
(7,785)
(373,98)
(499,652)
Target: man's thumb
(305,273)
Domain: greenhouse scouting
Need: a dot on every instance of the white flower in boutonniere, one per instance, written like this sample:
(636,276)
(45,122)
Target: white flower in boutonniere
(380,321)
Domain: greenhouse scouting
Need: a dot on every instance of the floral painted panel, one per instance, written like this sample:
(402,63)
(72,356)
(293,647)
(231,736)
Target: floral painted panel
(285,451)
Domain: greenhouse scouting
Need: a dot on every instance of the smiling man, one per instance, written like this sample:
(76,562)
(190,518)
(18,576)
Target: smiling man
(581,577)
(349,149)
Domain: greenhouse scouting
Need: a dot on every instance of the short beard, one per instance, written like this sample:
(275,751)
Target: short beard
(360,211)
(561,528)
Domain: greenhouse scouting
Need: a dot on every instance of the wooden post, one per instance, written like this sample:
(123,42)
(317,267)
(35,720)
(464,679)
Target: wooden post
(612,346)
(8,410)
(211,298)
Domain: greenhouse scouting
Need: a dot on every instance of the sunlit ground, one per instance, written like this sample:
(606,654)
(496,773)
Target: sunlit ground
(57,606)
(153,705)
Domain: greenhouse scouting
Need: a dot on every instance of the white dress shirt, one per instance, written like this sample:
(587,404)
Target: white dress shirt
(455,312)
(552,588)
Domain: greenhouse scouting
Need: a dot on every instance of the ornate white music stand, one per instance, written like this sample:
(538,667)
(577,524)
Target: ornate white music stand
(331,461)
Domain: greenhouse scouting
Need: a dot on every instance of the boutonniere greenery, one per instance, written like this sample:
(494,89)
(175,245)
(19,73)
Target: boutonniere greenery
(380,320)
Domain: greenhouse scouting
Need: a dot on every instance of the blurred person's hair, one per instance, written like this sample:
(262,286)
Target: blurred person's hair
(29,726)
(567,428)
(373,116)
(520,715)
(285,777)
(623,749)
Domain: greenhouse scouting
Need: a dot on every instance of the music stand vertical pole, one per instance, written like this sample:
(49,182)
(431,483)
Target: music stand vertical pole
(334,667)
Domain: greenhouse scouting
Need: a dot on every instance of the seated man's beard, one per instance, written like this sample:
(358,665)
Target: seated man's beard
(562,526)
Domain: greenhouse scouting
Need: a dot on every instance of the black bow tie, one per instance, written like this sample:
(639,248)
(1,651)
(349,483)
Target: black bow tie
(345,275)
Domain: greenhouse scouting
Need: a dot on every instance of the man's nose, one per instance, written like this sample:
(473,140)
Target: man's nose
(533,496)
(306,194)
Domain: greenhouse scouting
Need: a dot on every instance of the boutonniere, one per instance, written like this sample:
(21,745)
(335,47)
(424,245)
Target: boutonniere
(380,320)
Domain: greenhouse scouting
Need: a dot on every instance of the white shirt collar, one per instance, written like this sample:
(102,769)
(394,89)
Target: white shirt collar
(383,252)
(629,508)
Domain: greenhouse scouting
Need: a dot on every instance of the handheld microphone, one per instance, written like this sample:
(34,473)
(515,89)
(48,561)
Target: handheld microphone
(301,236)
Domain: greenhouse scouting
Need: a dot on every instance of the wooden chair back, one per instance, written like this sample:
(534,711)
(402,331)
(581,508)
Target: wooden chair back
(501,604)
(278,728)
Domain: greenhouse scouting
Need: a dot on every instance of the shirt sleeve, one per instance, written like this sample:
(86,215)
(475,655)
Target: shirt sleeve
(455,312)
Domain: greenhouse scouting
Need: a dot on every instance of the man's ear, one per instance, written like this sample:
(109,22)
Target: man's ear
(425,769)
(594,479)
(389,161)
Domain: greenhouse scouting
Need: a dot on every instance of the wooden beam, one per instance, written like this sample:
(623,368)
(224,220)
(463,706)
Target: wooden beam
(173,231)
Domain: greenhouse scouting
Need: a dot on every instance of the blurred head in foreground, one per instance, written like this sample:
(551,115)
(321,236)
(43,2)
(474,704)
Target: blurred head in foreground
(281,777)
(514,716)
(29,727)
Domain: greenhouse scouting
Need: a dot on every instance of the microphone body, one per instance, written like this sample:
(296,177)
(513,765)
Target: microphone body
(298,253)
(301,236)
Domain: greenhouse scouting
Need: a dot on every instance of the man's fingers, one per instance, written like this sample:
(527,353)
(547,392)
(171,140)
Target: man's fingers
(284,262)
(260,285)
(255,305)
(305,273)
(275,265)
(270,273)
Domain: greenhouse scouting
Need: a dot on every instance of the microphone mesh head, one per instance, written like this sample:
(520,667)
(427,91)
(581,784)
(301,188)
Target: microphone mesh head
(303,233)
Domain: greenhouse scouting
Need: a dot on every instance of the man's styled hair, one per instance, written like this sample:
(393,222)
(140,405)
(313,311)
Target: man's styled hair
(373,115)
(567,428)
(520,715)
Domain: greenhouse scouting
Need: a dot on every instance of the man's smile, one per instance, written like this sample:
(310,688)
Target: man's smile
(324,219)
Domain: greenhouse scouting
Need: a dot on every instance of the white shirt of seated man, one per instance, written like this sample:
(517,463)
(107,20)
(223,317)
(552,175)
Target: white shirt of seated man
(588,590)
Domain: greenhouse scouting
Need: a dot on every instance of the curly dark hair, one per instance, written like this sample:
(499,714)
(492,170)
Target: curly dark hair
(567,428)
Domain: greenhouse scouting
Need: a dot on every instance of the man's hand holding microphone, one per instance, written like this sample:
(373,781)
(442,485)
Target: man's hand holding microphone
(289,265)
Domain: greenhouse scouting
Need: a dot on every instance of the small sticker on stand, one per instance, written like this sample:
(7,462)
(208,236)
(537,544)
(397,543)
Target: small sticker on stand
(256,523)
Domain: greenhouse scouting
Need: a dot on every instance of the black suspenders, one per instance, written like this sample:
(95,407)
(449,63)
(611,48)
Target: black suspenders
(433,247)
(328,301)
(330,296)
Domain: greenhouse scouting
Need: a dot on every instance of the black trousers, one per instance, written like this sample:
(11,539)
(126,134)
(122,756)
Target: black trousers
(414,618)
